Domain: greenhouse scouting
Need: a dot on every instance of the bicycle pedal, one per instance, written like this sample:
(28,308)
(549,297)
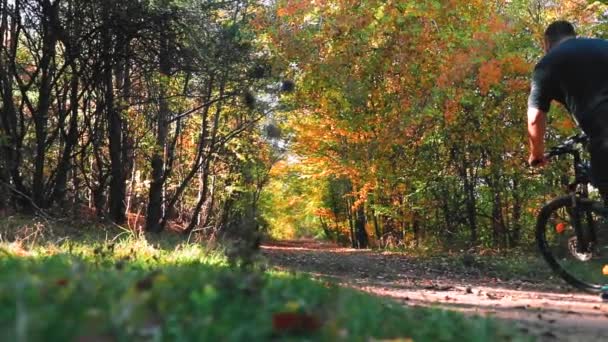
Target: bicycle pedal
(604,293)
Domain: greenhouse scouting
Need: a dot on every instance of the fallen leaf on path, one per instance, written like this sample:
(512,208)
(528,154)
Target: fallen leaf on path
(291,322)
(94,338)
(548,334)
(61,282)
(146,283)
(437,287)
(491,296)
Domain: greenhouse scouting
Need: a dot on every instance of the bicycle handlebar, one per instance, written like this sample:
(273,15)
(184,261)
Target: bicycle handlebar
(567,147)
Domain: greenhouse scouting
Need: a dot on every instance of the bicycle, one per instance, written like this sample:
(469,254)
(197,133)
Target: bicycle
(572,230)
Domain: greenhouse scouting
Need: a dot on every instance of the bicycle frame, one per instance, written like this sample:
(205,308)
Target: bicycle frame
(578,188)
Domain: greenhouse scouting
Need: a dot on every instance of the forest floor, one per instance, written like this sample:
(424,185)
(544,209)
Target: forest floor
(520,291)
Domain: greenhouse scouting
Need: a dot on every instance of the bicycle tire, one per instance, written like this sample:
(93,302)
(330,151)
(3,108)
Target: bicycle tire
(586,207)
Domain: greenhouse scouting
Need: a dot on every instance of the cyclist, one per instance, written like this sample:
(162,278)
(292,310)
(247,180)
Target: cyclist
(574,72)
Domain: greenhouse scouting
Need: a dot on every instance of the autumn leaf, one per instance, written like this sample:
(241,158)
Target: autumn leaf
(292,322)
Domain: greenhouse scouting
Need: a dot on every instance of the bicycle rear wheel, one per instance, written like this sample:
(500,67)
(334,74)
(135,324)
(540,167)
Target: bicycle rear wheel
(586,267)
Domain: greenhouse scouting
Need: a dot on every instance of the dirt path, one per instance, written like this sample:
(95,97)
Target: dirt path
(548,312)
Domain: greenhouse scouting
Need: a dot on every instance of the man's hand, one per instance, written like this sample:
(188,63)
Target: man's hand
(536,160)
(536,137)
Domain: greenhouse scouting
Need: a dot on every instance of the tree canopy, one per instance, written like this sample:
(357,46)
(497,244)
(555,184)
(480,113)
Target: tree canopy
(367,122)
(413,114)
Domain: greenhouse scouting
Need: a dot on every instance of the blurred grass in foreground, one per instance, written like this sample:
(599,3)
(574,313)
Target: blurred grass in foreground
(60,283)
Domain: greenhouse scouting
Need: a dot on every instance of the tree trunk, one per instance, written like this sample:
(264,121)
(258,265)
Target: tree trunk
(361,234)
(416,229)
(65,164)
(376,225)
(13,145)
(448,217)
(498,224)
(117,180)
(516,220)
(4,181)
(156,199)
(326,229)
(124,85)
(202,163)
(41,114)
(351,224)
(471,207)
(202,199)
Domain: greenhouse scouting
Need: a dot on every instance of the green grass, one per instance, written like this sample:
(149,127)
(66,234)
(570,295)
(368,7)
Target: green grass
(95,287)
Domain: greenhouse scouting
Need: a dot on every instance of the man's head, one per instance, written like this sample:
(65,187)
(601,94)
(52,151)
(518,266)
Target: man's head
(557,32)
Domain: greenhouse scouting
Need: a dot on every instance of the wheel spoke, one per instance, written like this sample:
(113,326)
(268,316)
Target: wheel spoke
(575,242)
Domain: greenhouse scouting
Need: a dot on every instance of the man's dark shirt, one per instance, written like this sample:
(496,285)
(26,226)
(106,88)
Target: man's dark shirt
(575,73)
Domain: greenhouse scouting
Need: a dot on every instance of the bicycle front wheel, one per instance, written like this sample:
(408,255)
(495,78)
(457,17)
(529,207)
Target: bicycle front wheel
(572,236)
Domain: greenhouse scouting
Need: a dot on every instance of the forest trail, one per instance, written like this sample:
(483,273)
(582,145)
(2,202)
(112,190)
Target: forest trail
(550,312)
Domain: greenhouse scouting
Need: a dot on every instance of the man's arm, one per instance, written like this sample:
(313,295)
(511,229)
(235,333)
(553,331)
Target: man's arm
(537,120)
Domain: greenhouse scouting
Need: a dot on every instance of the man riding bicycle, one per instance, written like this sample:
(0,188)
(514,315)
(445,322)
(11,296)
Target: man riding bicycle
(574,72)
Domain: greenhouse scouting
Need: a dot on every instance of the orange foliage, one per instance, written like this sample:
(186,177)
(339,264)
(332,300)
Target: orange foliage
(280,168)
(455,69)
(566,124)
(490,73)
(452,106)
(325,213)
(497,25)
(516,65)
(292,7)
(398,69)
(362,195)
(517,85)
